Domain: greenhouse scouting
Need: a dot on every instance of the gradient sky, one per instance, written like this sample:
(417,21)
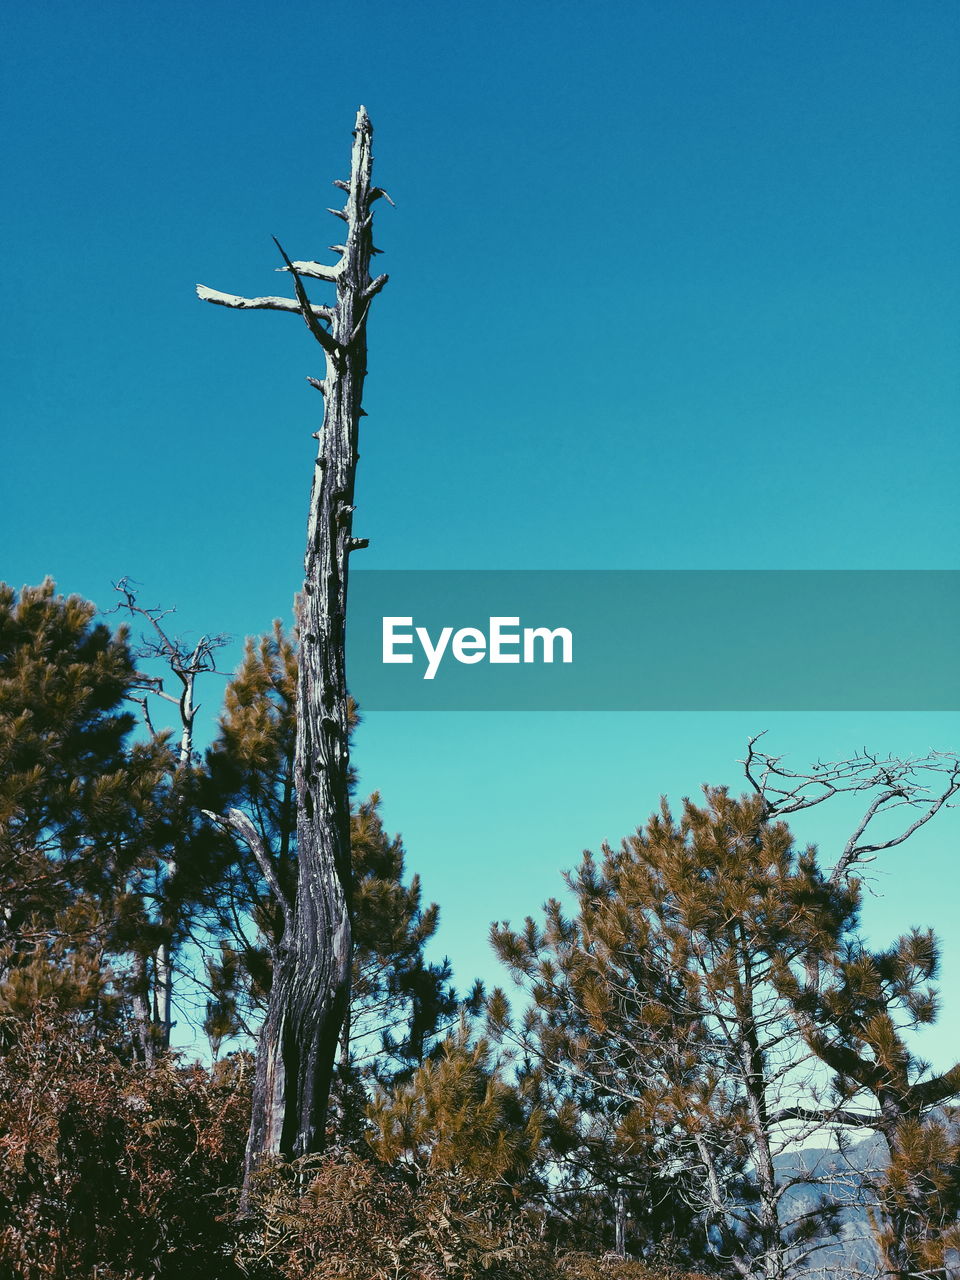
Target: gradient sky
(672,285)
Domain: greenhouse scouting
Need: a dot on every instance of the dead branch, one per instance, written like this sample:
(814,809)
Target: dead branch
(923,785)
(260,304)
(236,820)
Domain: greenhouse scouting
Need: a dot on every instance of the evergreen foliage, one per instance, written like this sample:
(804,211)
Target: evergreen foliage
(80,805)
(460,1113)
(857,1018)
(667,1025)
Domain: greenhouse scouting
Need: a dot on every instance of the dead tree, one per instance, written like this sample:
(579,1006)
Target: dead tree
(920,786)
(311,977)
(153,1014)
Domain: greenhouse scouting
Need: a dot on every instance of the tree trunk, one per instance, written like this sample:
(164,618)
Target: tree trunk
(311,980)
(163,957)
(153,1008)
(145,1043)
(754,1076)
(620,1223)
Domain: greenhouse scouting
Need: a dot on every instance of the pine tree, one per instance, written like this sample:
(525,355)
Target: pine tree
(79,802)
(249,778)
(401,1003)
(460,1112)
(857,1013)
(658,1017)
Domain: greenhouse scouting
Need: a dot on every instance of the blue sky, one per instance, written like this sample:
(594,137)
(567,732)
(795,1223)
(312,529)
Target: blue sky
(672,285)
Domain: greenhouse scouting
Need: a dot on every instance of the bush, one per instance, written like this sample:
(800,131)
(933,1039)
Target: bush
(113,1171)
(583,1266)
(110,1170)
(354,1219)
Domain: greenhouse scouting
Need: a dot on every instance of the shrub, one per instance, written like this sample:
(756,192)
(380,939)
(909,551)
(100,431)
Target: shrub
(107,1169)
(584,1266)
(354,1219)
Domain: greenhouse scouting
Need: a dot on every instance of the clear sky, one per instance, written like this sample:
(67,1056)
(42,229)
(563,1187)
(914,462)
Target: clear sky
(672,285)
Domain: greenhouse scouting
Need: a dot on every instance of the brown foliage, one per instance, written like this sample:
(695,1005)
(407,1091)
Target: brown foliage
(110,1170)
(113,1171)
(584,1266)
(918,1200)
(350,1218)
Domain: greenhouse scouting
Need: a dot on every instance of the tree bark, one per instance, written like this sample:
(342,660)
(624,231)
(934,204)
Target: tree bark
(311,979)
(620,1223)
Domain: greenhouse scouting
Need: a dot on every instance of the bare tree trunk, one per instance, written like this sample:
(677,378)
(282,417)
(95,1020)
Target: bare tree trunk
(163,957)
(145,1046)
(754,1076)
(311,980)
(620,1223)
(768,1221)
(153,1009)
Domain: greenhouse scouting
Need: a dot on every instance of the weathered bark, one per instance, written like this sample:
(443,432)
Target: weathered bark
(620,1223)
(145,1046)
(311,979)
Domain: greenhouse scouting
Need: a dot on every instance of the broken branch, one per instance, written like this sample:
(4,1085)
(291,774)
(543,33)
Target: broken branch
(259,304)
(329,344)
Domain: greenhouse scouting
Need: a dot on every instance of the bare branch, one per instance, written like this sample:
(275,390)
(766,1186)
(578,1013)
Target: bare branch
(826,1116)
(358,327)
(326,340)
(236,820)
(855,852)
(374,287)
(316,270)
(144,705)
(260,304)
(748,764)
(184,661)
(923,784)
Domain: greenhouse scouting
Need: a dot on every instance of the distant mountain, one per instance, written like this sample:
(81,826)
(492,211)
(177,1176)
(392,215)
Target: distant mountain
(844,1177)
(819,1173)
